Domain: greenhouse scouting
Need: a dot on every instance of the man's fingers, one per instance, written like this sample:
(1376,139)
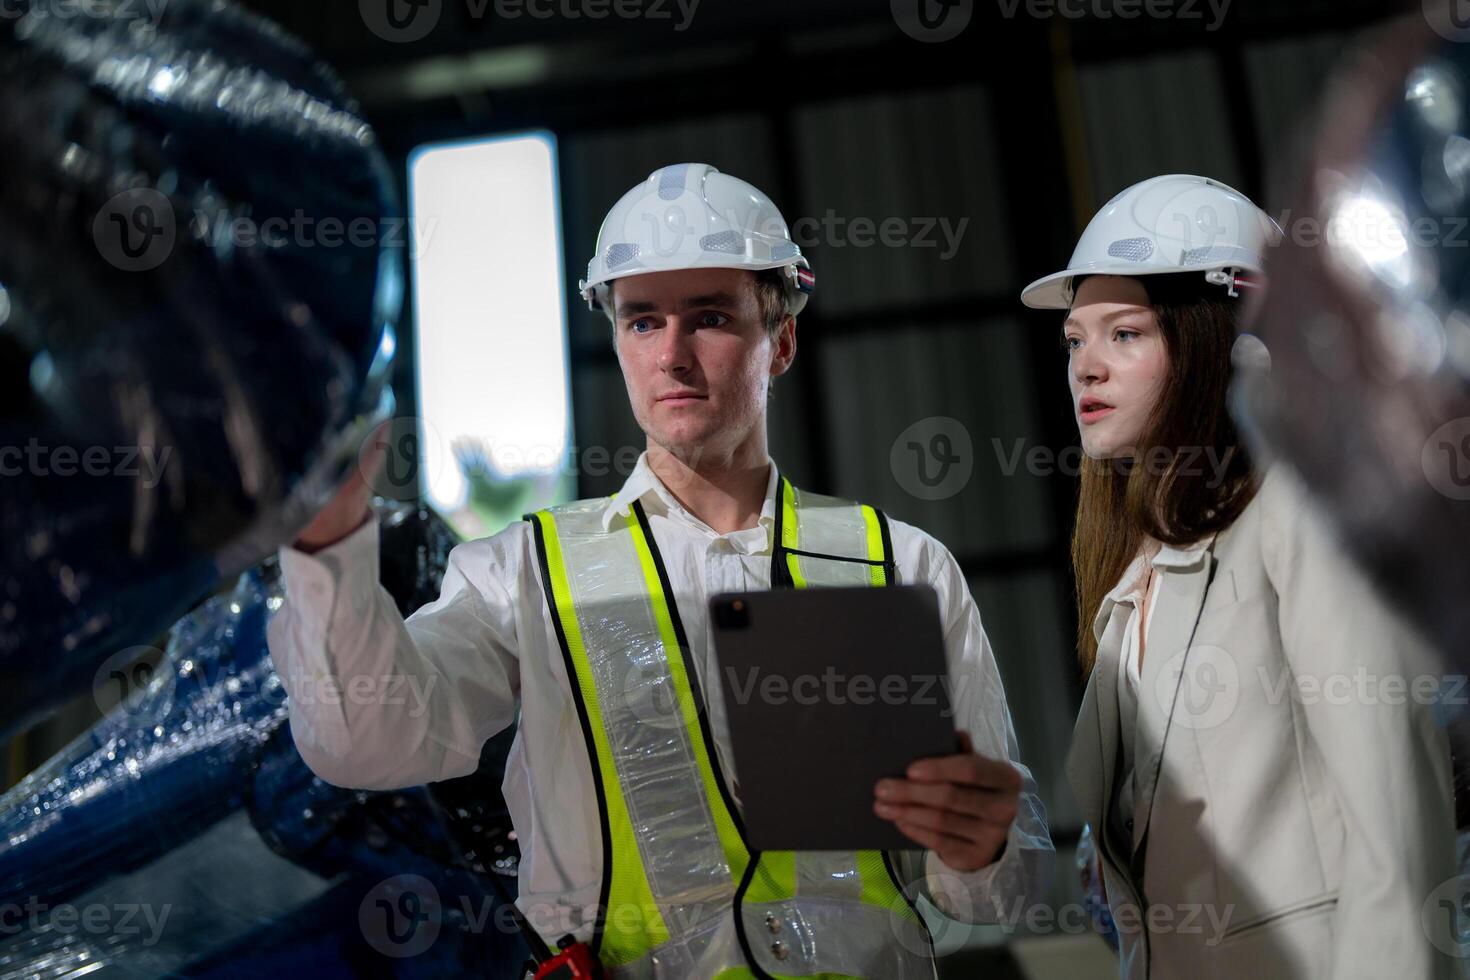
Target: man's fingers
(993,806)
(931,839)
(972,769)
(965,825)
(957,853)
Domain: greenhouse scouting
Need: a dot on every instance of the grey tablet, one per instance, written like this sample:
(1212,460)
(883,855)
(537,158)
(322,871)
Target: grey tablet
(828,690)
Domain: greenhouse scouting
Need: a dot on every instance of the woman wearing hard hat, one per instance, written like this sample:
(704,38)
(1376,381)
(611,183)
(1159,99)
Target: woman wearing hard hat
(1267,787)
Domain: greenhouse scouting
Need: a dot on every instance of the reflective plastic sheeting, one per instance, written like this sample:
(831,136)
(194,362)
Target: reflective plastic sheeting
(190,826)
(189,802)
(1356,369)
(198,290)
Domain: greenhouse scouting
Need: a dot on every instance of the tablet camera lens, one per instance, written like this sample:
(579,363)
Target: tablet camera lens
(733,615)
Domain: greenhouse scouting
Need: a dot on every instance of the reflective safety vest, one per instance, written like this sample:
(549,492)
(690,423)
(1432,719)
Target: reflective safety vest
(682,894)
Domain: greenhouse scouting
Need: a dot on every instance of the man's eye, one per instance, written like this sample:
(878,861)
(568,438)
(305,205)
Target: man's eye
(712,320)
(641,326)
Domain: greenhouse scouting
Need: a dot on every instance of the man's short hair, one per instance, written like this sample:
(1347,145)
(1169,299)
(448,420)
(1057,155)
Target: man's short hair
(770,294)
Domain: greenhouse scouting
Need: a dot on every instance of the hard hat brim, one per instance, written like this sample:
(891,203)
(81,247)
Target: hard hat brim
(1054,292)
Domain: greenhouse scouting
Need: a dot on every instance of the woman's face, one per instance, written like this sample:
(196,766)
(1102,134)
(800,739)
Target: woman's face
(1116,364)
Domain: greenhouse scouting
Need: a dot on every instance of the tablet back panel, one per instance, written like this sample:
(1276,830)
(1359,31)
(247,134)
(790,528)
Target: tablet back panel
(826,691)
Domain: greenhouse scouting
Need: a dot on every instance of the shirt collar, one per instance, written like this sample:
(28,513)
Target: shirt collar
(1183,556)
(1130,584)
(643,484)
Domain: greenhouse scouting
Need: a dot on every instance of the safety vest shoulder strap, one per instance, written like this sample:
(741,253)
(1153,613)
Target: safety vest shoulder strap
(821,540)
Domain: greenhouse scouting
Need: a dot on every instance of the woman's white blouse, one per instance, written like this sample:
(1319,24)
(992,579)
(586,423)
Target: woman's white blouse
(1123,601)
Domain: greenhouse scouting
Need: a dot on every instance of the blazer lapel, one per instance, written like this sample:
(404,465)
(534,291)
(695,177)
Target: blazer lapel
(1180,597)
(1093,755)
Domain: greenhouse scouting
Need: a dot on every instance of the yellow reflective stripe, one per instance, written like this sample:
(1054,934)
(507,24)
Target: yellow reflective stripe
(792,563)
(789,532)
(774,879)
(735,854)
(634,924)
(878,886)
(875,544)
(788,514)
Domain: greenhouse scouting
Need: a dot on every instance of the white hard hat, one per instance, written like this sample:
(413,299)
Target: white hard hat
(691,216)
(1173,223)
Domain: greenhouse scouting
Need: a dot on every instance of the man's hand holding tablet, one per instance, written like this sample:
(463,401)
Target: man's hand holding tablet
(960,806)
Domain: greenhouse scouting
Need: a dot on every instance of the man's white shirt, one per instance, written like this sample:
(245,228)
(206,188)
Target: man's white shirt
(380,703)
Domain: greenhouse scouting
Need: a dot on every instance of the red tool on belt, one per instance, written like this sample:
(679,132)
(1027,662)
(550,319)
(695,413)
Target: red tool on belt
(575,962)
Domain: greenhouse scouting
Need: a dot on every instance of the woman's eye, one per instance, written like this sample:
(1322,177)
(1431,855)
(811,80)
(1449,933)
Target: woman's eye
(1071,343)
(1126,336)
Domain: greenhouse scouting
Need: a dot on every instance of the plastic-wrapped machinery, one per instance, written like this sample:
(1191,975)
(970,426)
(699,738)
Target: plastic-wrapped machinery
(199,278)
(188,818)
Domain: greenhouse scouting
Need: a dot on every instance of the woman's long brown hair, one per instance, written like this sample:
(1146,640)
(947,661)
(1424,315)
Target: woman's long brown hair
(1170,489)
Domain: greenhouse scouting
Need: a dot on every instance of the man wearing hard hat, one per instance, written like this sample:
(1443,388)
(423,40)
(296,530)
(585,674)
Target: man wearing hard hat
(592,618)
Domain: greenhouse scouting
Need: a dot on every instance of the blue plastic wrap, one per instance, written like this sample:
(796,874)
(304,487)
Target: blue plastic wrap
(190,799)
